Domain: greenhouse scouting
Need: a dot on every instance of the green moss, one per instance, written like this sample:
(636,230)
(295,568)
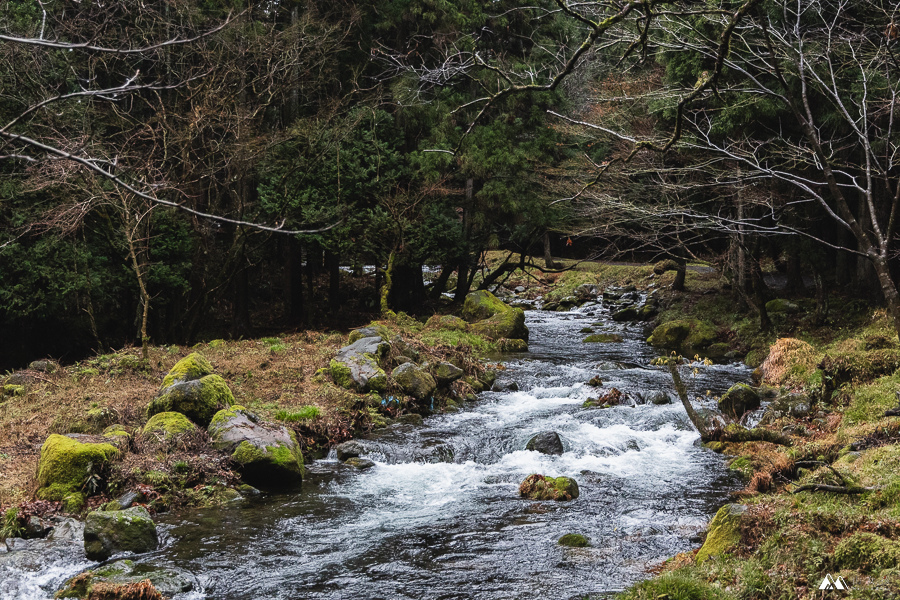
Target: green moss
(342,375)
(670,335)
(116,432)
(448,322)
(456,338)
(197,400)
(73,502)
(602,338)
(482,304)
(573,540)
(221,418)
(867,552)
(539,487)
(514,345)
(192,366)
(370,330)
(509,323)
(724,533)
(13,390)
(304,413)
(781,306)
(871,400)
(216,343)
(64,465)
(676,586)
(247,453)
(169,424)
(743,465)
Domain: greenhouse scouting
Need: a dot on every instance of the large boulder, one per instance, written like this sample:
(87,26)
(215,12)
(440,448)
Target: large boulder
(546,442)
(687,336)
(191,367)
(724,532)
(492,318)
(167,426)
(267,454)
(414,381)
(446,373)
(538,487)
(449,322)
(113,580)
(739,399)
(108,532)
(64,467)
(356,366)
(373,330)
(197,399)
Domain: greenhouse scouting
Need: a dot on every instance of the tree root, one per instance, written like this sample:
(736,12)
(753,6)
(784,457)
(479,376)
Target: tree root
(837,489)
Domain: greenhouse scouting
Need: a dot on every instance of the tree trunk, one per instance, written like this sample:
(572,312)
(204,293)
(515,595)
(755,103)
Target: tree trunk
(795,284)
(888,288)
(333,266)
(759,297)
(240,294)
(695,418)
(293,281)
(680,275)
(440,284)
(548,255)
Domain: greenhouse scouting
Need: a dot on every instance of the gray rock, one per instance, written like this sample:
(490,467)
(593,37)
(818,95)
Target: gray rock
(67,529)
(546,442)
(446,373)
(739,399)
(43,366)
(505,386)
(168,581)
(359,463)
(414,381)
(356,366)
(519,289)
(586,291)
(626,314)
(36,527)
(197,399)
(658,397)
(348,450)
(109,532)
(128,499)
(268,455)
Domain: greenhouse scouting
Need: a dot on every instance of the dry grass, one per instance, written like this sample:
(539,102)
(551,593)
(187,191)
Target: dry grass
(265,375)
(788,358)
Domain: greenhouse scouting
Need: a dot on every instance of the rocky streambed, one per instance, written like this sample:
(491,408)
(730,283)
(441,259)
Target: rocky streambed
(438,513)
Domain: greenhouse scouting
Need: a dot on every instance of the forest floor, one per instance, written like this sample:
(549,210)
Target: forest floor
(843,374)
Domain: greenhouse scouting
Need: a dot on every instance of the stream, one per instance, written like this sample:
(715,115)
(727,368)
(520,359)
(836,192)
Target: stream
(439,516)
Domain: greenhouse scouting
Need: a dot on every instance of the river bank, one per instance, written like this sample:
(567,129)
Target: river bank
(281,376)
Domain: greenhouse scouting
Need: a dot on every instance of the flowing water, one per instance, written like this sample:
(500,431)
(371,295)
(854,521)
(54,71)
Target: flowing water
(439,516)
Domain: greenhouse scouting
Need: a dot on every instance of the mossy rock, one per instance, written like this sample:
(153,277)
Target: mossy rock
(117,433)
(268,455)
(684,335)
(866,552)
(65,465)
(573,540)
(631,313)
(109,532)
(169,425)
(603,338)
(119,580)
(372,330)
(446,373)
(514,345)
(447,322)
(539,487)
(356,366)
(781,306)
(191,367)
(739,399)
(414,381)
(724,532)
(198,399)
(480,305)
(509,324)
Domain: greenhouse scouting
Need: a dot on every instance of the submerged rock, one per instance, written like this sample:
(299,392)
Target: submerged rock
(414,381)
(574,540)
(603,338)
(546,442)
(109,532)
(110,581)
(268,455)
(739,399)
(539,487)
(359,463)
